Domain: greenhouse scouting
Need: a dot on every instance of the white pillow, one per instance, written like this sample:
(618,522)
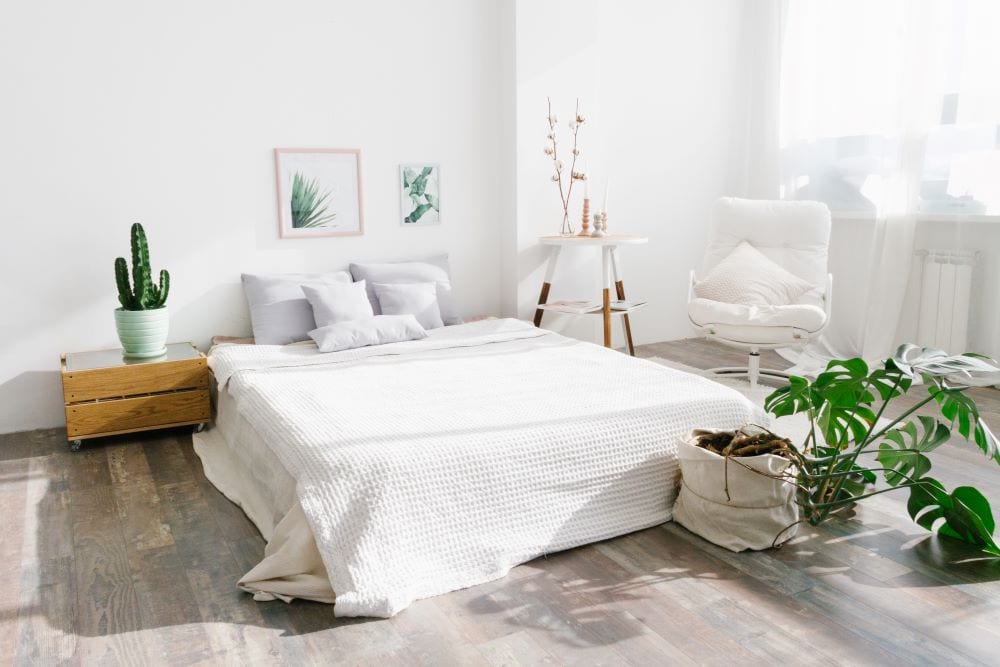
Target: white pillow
(434,270)
(417,299)
(746,276)
(342,302)
(376,330)
(279,311)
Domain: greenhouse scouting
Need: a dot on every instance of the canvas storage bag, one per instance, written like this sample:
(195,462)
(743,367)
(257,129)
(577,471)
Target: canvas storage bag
(758,508)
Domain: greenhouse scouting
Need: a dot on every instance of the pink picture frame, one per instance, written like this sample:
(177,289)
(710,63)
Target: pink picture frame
(319,192)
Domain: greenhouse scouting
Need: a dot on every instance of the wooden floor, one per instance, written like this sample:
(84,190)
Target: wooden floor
(124,553)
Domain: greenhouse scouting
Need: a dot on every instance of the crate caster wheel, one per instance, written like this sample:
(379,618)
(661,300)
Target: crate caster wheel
(198,428)
(75,445)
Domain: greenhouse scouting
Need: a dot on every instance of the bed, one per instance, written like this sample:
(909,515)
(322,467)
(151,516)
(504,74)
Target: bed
(387,474)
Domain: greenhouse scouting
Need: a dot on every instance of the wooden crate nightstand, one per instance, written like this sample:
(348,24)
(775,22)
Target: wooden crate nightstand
(106,394)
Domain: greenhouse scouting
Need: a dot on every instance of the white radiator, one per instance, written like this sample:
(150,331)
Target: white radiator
(945,291)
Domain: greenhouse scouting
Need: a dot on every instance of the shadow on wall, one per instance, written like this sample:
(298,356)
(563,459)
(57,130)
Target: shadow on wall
(31,400)
(219,311)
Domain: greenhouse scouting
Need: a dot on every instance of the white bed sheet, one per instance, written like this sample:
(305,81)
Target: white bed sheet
(434,465)
(241,465)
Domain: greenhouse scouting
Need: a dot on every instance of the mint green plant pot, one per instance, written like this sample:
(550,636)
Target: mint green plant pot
(143,333)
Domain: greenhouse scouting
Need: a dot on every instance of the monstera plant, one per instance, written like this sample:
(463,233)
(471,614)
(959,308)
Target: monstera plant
(850,446)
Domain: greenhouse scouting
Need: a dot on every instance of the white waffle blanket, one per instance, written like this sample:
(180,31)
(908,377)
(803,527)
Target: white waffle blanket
(433,465)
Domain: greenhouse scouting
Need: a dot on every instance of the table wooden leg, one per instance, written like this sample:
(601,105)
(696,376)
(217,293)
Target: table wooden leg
(607,317)
(550,271)
(606,261)
(620,290)
(542,298)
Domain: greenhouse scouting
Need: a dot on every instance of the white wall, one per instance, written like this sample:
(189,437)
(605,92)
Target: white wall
(661,86)
(115,112)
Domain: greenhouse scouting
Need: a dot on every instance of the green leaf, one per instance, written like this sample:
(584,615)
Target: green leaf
(797,396)
(309,207)
(924,504)
(419,183)
(962,413)
(977,503)
(904,466)
(890,381)
(845,383)
(964,514)
(417,213)
(842,424)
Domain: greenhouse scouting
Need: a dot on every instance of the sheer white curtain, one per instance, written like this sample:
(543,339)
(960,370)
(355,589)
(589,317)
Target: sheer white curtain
(888,110)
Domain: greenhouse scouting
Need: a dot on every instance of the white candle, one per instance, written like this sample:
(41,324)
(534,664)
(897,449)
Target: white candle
(607,186)
(586,187)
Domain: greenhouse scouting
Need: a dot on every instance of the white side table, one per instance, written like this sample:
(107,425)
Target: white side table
(610,276)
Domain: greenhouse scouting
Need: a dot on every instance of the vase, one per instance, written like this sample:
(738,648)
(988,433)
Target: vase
(143,333)
(567,228)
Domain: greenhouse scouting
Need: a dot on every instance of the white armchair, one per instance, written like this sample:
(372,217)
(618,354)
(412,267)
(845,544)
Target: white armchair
(792,234)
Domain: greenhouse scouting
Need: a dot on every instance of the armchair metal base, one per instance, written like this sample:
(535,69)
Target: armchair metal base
(752,371)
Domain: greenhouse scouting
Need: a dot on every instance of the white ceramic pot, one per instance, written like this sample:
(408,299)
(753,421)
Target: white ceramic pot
(143,333)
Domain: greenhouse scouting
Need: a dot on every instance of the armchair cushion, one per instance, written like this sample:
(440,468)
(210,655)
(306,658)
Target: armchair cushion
(749,278)
(705,312)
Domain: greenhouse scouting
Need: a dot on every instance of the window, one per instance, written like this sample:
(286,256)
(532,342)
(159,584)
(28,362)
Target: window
(892,106)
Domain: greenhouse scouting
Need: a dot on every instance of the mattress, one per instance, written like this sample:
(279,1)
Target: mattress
(409,470)
(241,465)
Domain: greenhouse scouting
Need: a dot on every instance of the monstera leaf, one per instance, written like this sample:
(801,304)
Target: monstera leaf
(903,453)
(963,514)
(963,414)
(798,396)
(845,412)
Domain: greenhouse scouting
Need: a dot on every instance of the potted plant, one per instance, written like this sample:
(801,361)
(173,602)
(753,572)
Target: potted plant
(734,491)
(142,320)
(850,447)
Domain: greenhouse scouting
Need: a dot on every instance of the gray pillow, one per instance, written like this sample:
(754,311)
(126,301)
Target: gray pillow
(279,311)
(340,302)
(434,270)
(417,299)
(376,330)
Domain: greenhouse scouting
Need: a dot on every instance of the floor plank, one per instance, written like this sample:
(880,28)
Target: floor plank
(124,553)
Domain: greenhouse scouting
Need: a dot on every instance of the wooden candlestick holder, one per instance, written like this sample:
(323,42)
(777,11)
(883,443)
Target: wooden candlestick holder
(585,223)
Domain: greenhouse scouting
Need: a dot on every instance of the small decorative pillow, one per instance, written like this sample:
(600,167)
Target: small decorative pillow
(417,299)
(746,276)
(342,302)
(433,270)
(376,330)
(279,311)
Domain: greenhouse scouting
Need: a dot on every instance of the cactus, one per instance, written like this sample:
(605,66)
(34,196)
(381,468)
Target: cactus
(142,294)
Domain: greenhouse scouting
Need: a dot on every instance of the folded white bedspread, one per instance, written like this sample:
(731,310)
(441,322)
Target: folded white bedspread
(433,465)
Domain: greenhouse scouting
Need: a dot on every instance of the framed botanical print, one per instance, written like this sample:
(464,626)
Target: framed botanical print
(420,194)
(319,192)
